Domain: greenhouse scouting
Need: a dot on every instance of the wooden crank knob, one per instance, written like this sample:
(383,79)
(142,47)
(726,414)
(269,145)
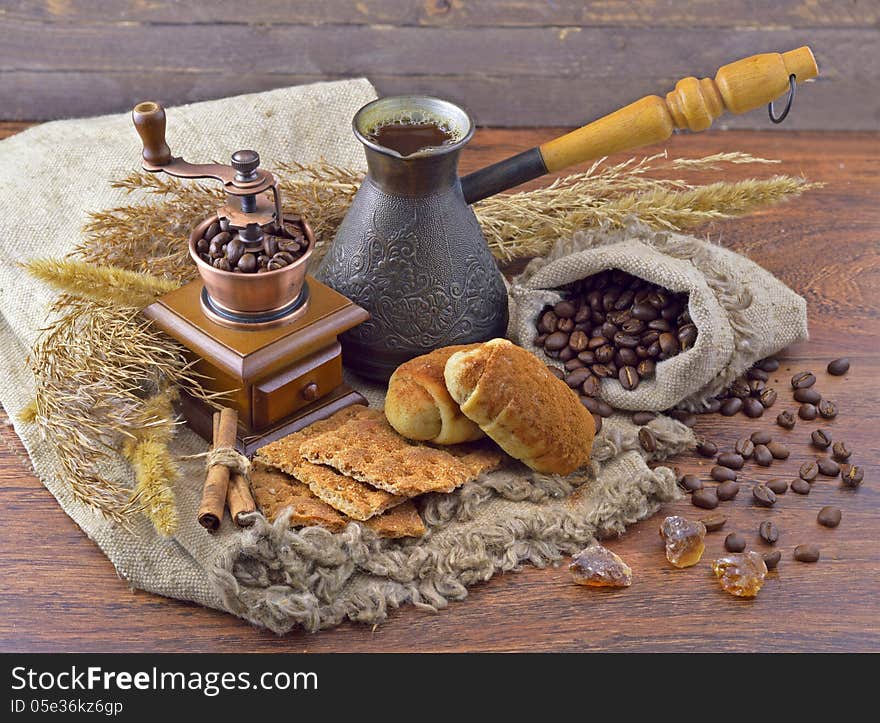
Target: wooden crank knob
(149,120)
(310,392)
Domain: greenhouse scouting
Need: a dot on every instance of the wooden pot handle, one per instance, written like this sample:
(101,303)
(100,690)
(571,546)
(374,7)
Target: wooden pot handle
(149,120)
(737,87)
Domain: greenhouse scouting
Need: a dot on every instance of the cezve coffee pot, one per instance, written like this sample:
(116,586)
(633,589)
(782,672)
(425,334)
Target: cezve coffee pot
(410,250)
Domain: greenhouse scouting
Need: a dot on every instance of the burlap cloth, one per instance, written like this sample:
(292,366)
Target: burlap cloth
(53,175)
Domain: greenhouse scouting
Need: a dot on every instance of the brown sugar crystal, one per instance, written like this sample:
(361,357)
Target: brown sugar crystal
(741,574)
(684,540)
(597,566)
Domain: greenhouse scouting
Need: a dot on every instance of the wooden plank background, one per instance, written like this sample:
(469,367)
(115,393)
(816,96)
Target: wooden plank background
(512,63)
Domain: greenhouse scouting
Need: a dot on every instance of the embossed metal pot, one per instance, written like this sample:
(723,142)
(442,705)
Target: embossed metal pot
(410,250)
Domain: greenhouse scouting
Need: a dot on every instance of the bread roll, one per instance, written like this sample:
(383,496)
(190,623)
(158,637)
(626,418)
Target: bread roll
(419,407)
(514,398)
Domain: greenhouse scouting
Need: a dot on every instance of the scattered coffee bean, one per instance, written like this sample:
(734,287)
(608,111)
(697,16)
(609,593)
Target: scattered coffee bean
(763,495)
(808,395)
(851,475)
(629,378)
(688,419)
(768,397)
(577,377)
(597,406)
(556,341)
(838,367)
(646,368)
(827,409)
(713,406)
(731,406)
(806,553)
(752,407)
(705,498)
(807,412)
(829,516)
(786,420)
(642,418)
(769,364)
(727,491)
(802,380)
(591,386)
(558,373)
(707,449)
(820,439)
(690,483)
(778,450)
(828,467)
(760,437)
(734,542)
(841,451)
(714,522)
(565,309)
(771,559)
(723,474)
(731,460)
(769,532)
(756,386)
(647,440)
(757,373)
(802,487)
(808,471)
(597,420)
(740,388)
(745,447)
(762,455)
(778,485)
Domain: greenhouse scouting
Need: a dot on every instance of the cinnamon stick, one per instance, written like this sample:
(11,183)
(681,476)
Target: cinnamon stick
(217,480)
(239,499)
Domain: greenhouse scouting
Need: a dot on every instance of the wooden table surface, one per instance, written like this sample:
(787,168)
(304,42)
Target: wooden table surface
(59,593)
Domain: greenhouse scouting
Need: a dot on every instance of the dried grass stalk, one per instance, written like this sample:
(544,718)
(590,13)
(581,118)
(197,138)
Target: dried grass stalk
(102,283)
(155,469)
(94,367)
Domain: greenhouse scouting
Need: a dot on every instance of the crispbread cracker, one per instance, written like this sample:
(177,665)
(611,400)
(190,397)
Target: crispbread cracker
(275,491)
(368,449)
(356,499)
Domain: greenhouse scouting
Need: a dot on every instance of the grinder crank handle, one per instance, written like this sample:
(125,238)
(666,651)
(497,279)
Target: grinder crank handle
(737,87)
(243,177)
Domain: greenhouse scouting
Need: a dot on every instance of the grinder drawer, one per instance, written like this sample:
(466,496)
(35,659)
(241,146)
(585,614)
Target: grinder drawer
(298,386)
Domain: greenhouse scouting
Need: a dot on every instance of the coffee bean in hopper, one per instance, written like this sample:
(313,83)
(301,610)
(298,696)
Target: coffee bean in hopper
(841,452)
(769,532)
(778,485)
(727,491)
(807,412)
(763,495)
(802,380)
(806,553)
(820,439)
(732,460)
(786,420)
(829,516)
(723,474)
(802,487)
(828,467)
(734,542)
(705,498)
(771,559)
(838,367)
(851,475)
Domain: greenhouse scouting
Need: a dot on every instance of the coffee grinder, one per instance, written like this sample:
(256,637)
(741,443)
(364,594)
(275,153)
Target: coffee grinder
(267,340)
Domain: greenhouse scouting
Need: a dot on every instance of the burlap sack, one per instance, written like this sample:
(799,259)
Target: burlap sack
(50,178)
(742,312)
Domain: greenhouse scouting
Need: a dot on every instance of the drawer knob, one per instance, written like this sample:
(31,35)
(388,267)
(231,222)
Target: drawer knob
(310,392)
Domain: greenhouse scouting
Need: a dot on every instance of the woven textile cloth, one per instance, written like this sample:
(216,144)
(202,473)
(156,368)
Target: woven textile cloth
(53,175)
